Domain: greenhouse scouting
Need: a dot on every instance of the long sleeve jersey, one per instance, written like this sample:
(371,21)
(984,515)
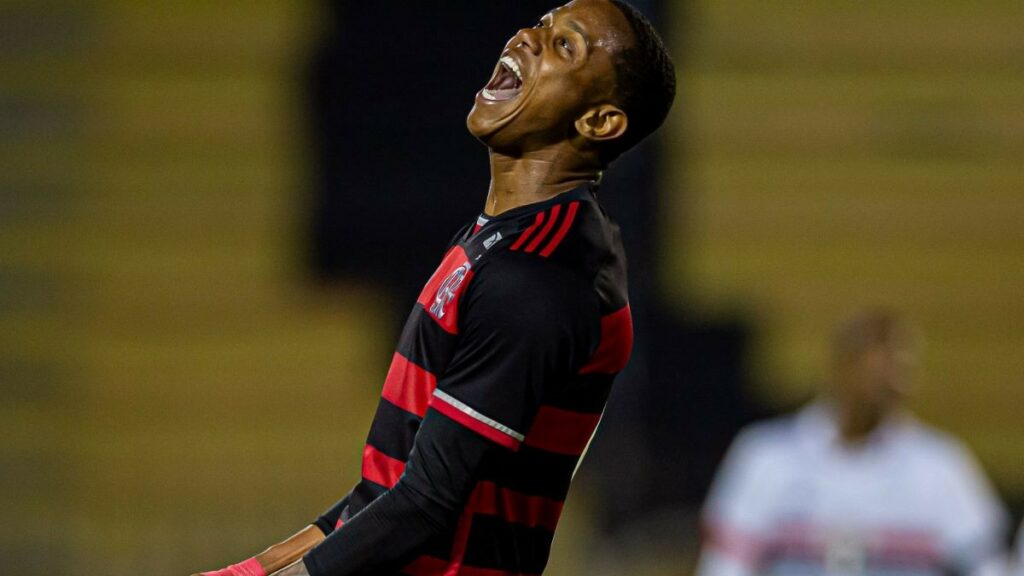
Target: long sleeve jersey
(497,385)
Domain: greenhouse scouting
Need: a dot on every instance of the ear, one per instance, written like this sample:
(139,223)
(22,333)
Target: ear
(605,122)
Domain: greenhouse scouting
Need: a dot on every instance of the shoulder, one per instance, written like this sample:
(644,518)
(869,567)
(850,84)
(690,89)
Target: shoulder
(555,253)
(572,243)
(934,448)
(573,232)
(944,463)
(960,495)
(772,437)
(753,476)
(762,450)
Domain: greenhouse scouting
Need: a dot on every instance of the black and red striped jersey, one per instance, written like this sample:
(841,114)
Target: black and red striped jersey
(517,336)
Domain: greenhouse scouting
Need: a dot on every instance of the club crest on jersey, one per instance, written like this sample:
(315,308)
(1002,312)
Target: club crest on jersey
(447,290)
(440,296)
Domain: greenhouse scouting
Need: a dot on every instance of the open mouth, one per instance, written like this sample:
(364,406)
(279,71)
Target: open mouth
(507,82)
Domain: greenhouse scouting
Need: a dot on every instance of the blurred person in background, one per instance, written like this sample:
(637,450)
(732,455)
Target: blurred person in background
(852,483)
(1018,561)
(507,359)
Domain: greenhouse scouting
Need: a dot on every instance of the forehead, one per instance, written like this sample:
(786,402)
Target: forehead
(602,21)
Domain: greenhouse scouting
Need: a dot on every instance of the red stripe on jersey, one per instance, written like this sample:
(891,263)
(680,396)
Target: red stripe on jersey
(381,468)
(489,432)
(528,232)
(613,352)
(562,230)
(426,566)
(461,540)
(906,546)
(408,386)
(561,431)
(430,566)
(488,499)
(546,230)
(440,297)
(471,571)
(515,507)
(739,546)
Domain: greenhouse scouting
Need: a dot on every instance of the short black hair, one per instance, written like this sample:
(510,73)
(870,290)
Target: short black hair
(646,82)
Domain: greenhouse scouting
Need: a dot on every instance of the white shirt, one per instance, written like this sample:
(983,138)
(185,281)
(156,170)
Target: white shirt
(1018,568)
(790,499)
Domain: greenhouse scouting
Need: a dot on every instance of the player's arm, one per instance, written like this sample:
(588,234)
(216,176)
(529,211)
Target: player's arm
(287,552)
(292,549)
(276,557)
(295,569)
(425,502)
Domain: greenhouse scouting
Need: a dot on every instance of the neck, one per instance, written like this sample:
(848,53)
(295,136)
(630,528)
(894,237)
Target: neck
(856,424)
(520,180)
(855,427)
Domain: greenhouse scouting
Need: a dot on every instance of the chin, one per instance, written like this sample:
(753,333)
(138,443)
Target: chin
(510,128)
(476,125)
(487,130)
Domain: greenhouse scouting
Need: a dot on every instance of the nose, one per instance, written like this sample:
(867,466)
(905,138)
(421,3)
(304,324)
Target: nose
(527,38)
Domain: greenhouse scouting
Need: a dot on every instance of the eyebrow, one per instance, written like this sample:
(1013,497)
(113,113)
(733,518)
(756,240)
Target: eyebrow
(576,27)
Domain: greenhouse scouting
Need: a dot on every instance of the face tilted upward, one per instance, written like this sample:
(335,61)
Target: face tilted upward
(547,76)
(507,82)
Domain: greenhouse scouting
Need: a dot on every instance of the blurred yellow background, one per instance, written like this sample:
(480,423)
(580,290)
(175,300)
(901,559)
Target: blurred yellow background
(177,396)
(843,154)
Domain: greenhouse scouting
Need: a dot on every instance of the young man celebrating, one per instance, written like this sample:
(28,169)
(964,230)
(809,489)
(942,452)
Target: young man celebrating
(504,366)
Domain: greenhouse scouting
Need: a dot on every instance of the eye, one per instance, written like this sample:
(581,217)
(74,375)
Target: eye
(565,44)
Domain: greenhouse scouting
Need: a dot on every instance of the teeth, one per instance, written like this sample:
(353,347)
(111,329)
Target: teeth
(513,66)
(498,95)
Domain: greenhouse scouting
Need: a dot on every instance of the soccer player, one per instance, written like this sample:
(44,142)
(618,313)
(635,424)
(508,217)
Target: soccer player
(852,484)
(504,366)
